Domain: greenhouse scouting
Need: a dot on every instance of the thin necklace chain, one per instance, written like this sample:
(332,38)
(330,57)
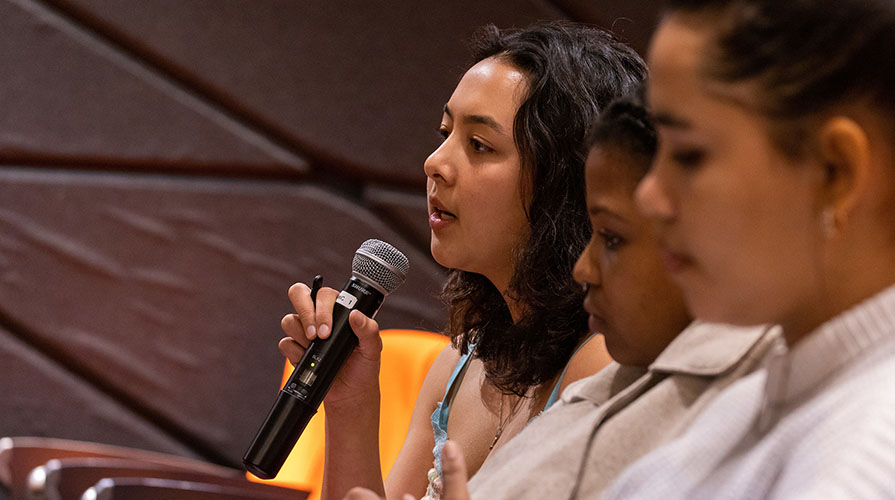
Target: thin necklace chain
(501,423)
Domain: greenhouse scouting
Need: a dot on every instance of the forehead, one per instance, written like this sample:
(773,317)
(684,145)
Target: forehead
(675,55)
(612,170)
(679,56)
(491,84)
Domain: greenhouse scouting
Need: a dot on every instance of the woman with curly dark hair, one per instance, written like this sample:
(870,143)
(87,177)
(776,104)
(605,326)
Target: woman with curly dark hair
(507,214)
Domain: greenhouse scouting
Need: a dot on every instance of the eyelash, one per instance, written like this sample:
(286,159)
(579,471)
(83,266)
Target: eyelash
(688,158)
(476,145)
(611,240)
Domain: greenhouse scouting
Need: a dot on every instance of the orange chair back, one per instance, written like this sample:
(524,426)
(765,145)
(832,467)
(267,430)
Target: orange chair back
(406,358)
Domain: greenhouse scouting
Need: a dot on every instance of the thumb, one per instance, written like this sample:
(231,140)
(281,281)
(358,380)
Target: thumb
(367,331)
(453,472)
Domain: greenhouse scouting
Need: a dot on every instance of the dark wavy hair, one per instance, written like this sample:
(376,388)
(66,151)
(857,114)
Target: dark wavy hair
(802,56)
(627,124)
(572,72)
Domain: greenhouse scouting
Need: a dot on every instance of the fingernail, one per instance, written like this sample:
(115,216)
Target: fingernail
(311,332)
(324,330)
(356,319)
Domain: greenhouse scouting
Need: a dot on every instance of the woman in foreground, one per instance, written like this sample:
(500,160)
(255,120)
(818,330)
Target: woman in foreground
(773,191)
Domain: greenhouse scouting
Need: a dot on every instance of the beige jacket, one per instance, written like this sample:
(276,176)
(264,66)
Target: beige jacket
(619,414)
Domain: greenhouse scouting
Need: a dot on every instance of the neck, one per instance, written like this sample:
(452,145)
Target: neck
(502,283)
(839,296)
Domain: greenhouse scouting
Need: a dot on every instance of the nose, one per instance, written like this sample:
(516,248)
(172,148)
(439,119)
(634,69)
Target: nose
(587,269)
(438,165)
(652,198)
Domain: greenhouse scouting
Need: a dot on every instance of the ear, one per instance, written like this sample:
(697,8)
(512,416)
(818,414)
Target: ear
(845,150)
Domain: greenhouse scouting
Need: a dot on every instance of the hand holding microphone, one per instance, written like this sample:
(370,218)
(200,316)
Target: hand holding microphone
(359,375)
(377,269)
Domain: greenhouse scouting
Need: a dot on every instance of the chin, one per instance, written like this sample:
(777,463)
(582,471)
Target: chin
(441,256)
(625,357)
(617,349)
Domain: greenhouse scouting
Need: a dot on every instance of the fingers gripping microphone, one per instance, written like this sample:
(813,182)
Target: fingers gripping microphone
(377,270)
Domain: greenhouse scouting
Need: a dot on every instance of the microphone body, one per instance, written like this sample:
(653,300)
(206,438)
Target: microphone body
(314,374)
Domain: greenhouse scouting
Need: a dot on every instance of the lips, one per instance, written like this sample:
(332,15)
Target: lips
(595,321)
(674,259)
(596,324)
(439,218)
(675,262)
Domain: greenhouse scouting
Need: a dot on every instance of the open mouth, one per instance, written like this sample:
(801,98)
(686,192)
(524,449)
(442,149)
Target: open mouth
(443,214)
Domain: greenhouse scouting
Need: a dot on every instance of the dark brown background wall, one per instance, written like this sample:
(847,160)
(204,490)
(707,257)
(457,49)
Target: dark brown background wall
(168,168)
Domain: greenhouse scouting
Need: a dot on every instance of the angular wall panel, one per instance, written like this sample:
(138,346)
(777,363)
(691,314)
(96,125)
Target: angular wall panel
(40,398)
(169,292)
(359,84)
(68,96)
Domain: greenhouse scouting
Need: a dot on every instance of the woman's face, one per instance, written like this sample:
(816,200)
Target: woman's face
(630,298)
(476,206)
(737,220)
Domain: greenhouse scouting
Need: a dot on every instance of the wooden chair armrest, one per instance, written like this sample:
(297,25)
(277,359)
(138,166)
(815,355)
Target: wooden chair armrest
(20,455)
(66,478)
(154,488)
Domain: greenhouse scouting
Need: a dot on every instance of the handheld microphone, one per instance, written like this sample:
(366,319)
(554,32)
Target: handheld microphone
(377,270)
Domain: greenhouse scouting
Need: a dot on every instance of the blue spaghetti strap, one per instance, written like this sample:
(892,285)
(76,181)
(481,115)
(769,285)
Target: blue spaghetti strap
(443,408)
(452,385)
(554,395)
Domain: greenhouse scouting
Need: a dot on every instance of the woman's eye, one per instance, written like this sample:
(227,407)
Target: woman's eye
(611,240)
(479,146)
(688,158)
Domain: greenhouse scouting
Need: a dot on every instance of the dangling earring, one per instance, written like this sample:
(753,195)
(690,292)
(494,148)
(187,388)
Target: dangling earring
(828,222)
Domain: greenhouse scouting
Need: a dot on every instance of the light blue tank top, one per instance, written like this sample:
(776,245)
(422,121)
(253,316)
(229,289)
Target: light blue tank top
(443,408)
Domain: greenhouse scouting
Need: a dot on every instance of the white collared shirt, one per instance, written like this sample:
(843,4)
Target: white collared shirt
(818,422)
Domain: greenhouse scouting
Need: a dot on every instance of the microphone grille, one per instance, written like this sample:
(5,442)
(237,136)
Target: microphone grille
(382,264)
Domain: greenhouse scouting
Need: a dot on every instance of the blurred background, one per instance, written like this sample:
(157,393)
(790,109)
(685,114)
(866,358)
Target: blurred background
(168,168)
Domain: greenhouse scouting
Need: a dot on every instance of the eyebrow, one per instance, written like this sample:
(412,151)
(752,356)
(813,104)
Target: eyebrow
(597,209)
(480,119)
(670,120)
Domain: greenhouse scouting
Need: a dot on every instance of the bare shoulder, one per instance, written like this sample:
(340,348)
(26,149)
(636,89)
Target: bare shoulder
(590,358)
(439,374)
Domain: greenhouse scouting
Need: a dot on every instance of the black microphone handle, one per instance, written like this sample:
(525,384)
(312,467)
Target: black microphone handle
(309,383)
